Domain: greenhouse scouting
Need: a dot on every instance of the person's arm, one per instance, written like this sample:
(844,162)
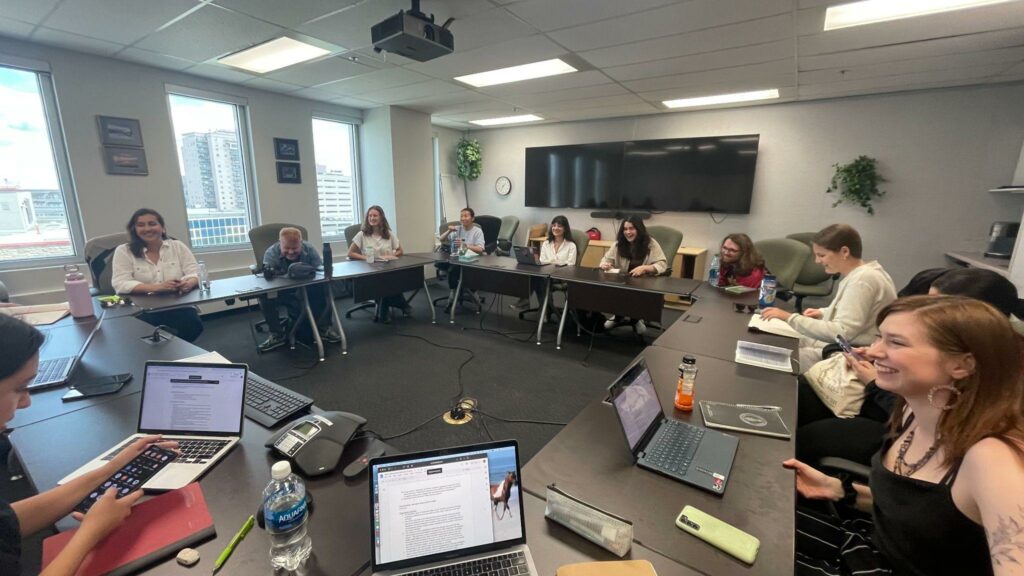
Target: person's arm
(189,266)
(656,261)
(993,475)
(396,246)
(547,253)
(476,240)
(853,316)
(122,276)
(816,485)
(105,515)
(354,252)
(315,259)
(271,258)
(610,256)
(571,253)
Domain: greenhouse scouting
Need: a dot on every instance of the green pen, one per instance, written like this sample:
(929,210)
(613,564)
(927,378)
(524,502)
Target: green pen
(234,542)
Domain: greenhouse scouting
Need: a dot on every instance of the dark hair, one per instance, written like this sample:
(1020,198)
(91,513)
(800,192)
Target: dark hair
(637,251)
(385,228)
(20,342)
(468,209)
(985,285)
(836,236)
(565,226)
(750,258)
(136,244)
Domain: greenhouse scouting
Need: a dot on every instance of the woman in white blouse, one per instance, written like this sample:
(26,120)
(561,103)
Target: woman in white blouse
(559,249)
(376,234)
(153,263)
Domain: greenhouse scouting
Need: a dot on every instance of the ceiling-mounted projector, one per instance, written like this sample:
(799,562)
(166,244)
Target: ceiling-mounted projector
(413,35)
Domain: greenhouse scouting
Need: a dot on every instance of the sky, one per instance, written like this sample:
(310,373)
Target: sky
(26,158)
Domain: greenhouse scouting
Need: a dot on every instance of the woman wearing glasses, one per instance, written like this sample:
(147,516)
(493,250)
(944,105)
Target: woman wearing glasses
(741,263)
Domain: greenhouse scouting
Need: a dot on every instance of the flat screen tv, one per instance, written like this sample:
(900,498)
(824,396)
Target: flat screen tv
(711,174)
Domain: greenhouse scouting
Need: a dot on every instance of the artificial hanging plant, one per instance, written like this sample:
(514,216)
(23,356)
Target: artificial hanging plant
(857,183)
(469,158)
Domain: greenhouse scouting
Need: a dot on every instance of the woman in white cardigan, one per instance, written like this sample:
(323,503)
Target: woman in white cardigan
(637,254)
(864,290)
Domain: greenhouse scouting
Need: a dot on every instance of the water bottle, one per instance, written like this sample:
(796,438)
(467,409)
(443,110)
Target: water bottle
(204,276)
(713,273)
(368,252)
(284,511)
(684,388)
(767,295)
(328,260)
(77,288)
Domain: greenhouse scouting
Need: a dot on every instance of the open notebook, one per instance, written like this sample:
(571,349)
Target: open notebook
(773,326)
(763,355)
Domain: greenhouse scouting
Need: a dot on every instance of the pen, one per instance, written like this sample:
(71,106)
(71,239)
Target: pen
(234,542)
(757,407)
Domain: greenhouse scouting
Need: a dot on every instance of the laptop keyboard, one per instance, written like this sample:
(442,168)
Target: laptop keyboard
(52,370)
(503,565)
(269,404)
(192,451)
(673,446)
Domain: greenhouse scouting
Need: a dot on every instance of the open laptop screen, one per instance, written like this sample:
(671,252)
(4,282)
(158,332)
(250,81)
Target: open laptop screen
(444,504)
(636,403)
(179,397)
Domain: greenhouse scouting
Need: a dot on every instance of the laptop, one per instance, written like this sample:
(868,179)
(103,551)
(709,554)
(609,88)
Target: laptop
(451,511)
(526,255)
(198,404)
(55,365)
(697,456)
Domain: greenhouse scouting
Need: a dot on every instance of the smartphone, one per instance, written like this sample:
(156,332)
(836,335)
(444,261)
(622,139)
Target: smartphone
(725,537)
(132,476)
(97,387)
(845,345)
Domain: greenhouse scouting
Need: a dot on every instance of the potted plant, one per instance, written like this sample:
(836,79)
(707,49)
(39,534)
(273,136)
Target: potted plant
(468,157)
(857,183)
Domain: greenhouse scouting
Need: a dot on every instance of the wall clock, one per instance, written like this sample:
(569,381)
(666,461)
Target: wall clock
(503,185)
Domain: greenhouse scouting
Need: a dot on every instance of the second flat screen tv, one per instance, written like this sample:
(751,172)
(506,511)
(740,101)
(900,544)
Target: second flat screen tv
(712,174)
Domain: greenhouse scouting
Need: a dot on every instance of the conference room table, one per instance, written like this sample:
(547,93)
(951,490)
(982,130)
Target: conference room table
(374,281)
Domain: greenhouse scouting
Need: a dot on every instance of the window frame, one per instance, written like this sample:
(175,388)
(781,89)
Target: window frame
(245,146)
(357,188)
(61,162)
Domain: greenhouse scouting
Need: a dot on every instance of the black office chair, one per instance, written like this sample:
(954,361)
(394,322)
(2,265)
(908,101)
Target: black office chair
(5,296)
(506,235)
(491,226)
(99,256)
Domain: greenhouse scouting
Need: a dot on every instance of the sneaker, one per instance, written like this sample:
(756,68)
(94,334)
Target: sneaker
(611,323)
(330,336)
(521,305)
(640,327)
(274,341)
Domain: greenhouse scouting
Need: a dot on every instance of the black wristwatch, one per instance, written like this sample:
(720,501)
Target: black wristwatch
(849,493)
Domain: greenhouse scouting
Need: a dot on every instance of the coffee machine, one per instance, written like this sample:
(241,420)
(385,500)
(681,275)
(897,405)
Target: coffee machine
(1001,238)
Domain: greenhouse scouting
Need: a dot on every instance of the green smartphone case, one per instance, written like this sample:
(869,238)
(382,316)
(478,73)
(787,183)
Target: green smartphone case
(723,536)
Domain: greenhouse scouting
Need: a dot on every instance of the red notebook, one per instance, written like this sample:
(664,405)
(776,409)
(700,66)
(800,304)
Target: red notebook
(156,529)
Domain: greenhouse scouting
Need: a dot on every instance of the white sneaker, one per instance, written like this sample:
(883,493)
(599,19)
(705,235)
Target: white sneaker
(521,305)
(609,324)
(640,327)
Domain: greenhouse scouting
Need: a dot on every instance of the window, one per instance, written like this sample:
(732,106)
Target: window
(39,221)
(211,136)
(336,183)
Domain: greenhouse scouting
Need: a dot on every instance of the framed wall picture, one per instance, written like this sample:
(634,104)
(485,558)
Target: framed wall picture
(125,160)
(120,131)
(286,149)
(288,173)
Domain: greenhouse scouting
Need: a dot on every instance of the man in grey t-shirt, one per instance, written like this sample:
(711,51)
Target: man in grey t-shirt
(467,234)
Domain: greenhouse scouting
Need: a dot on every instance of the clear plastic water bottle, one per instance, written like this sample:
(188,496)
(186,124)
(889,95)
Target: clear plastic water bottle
(204,276)
(77,288)
(284,511)
(713,273)
(368,252)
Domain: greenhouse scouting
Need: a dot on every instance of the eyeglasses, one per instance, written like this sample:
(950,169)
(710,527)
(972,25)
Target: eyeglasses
(731,250)
(750,308)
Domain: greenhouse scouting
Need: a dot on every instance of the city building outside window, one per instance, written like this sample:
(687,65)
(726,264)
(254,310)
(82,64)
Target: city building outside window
(336,178)
(210,136)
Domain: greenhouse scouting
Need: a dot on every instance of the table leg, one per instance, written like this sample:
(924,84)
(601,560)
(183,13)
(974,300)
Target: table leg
(337,319)
(312,323)
(561,323)
(455,300)
(543,308)
(430,301)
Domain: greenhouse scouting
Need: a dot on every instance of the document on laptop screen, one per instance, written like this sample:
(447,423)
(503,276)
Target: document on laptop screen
(204,399)
(431,506)
(637,404)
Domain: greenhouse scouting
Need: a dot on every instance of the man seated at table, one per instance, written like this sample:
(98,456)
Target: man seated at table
(290,249)
(467,234)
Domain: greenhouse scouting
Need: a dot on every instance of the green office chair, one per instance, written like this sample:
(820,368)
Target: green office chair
(350,234)
(812,280)
(785,258)
(669,239)
(99,255)
(506,235)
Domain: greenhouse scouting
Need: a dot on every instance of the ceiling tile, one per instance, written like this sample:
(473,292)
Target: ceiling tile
(464,101)
(375,81)
(769,52)
(667,21)
(548,15)
(906,81)
(606,112)
(31,11)
(410,91)
(288,14)
(1008,56)
(355,102)
(271,85)
(549,84)
(75,42)
(570,94)
(208,33)
(15,28)
(751,75)
(321,71)
(219,72)
(496,111)
(509,53)
(590,103)
(315,94)
(121,21)
(153,59)
(699,42)
(486,28)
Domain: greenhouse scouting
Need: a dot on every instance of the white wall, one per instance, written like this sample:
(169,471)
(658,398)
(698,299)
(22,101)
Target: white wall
(940,150)
(377,168)
(412,157)
(88,86)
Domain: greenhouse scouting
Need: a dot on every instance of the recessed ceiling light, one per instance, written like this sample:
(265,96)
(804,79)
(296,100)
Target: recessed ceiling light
(723,98)
(551,67)
(874,11)
(273,55)
(506,120)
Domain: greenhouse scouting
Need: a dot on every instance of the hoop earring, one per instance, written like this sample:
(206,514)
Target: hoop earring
(949,405)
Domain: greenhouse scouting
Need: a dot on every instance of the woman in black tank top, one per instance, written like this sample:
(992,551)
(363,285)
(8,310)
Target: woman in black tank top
(946,491)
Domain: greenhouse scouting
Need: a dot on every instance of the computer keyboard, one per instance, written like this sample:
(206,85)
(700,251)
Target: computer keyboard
(269,404)
(192,451)
(673,447)
(502,565)
(52,371)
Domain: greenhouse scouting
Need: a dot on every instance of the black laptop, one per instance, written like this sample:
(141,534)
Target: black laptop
(526,255)
(691,454)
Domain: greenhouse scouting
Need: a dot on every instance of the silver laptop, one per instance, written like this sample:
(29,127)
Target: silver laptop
(451,511)
(55,365)
(200,405)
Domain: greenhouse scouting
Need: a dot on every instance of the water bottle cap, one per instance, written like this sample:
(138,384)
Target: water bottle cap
(689,359)
(281,470)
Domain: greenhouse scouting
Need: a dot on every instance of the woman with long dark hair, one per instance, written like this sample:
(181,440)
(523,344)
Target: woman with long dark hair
(154,263)
(741,264)
(559,249)
(634,253)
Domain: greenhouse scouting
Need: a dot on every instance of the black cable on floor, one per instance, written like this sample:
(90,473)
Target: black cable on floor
(411,430)
(483,424)
(516,420)
(472,355)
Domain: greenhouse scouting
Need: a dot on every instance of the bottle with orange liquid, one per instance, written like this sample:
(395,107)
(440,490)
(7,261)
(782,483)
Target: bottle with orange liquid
(687,377)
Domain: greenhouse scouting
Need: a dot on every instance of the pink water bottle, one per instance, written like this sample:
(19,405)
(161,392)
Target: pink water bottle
(77,287)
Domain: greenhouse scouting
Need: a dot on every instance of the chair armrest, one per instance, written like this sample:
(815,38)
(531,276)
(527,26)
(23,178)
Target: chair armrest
(858,472)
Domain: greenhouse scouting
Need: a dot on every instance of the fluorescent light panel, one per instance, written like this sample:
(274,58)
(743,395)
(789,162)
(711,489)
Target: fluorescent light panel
(723,98)
(874,11)
(551,67)
(273,55)
(506,120)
